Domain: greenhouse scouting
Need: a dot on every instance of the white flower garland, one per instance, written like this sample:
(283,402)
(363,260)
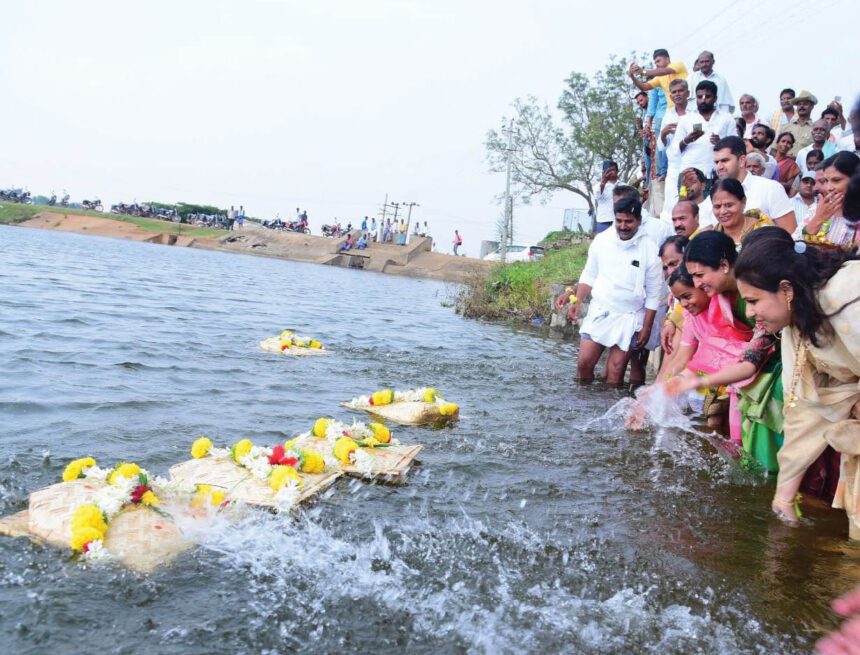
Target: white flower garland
(407,396)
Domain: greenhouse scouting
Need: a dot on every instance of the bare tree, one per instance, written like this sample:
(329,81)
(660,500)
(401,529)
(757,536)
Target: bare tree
(598,122)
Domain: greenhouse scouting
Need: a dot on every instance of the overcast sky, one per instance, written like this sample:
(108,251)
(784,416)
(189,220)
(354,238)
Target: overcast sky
(329,105)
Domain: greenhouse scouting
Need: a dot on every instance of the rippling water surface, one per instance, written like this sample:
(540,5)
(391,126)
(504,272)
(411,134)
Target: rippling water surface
(532,525)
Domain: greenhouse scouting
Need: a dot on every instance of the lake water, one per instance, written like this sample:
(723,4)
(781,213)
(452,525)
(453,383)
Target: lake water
(529,525)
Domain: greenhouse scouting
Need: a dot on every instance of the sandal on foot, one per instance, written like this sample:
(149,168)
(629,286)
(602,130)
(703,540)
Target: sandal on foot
(793,513)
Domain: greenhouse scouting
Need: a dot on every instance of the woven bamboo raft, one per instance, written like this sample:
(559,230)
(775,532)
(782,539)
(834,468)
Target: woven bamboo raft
(142,537)
(238,483)
(411,407)
(139,537)
(389,464)
(407,412)
(274,345)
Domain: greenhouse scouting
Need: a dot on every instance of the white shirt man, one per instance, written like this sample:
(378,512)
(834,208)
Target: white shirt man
(802,211)
(674,157)
(705,61)
(626,278)
(706,213)
(655,228)
(604,213)
(700,153)
(768,196)
(847,144)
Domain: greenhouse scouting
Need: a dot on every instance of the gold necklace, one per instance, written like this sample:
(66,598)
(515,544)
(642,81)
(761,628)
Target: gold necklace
(800,350)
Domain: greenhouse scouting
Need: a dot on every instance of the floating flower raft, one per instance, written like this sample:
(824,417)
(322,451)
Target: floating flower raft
(122,513)
(277,477)
(290,343)
(365,450)
(412,407)
(132,517)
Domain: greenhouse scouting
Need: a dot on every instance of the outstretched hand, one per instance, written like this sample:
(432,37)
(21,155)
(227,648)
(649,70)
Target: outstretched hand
(680,384)
(846,640)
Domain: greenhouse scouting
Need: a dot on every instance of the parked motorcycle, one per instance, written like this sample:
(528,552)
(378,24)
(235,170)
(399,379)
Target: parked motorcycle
(298,226)
(65,201)
(92,205)
(52,200)
(331,231)
(16,195)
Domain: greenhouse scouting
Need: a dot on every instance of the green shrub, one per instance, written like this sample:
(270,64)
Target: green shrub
(521,290)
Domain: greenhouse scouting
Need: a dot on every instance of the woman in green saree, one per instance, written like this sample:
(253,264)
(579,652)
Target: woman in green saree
(709,258)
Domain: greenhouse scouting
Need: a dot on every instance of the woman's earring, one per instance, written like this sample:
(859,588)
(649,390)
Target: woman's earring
(788,300)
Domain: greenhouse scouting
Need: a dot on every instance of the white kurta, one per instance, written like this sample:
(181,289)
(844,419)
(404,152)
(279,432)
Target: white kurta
(626,278)
(673,155)
(700,153)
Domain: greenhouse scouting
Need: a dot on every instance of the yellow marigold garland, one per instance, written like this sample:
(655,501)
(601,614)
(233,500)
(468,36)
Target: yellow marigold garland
(312,462)
(241,448)
(344,449)
(380,432)
(281,475)
(75,468)
(449,409)
(321,426)
(201,447)
(88,516)
(84,536)
(125,470)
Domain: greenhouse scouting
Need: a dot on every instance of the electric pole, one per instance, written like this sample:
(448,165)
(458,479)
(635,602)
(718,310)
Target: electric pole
(409,215)
(384,207)
(509,219)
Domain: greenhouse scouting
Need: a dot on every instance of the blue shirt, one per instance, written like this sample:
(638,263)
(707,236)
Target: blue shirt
(657,105)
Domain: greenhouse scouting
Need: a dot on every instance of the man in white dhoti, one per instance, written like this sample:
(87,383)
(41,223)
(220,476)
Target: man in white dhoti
(624,277)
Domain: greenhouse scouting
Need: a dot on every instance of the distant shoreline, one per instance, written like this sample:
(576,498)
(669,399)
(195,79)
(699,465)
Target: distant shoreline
(414,260)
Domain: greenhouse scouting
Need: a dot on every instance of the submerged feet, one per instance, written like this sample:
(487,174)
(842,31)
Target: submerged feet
(787,510)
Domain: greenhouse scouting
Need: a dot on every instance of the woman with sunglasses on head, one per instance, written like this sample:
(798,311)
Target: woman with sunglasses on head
(811,294)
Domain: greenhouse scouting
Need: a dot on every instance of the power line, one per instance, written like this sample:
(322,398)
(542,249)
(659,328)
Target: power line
(722,12)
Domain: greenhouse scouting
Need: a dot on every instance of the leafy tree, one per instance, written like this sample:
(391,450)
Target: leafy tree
(598,122)
(185,208)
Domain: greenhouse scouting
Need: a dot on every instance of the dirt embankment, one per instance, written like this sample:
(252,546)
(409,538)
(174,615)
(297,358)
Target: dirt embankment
(93,225)
(413,260)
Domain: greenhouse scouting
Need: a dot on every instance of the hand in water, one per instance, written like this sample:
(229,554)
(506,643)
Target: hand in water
(846,640)
(635,421)
(678,385)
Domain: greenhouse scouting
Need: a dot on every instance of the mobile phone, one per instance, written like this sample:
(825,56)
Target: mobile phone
(697,127)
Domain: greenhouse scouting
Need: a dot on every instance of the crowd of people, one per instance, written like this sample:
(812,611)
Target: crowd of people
(744,281)
(387,231)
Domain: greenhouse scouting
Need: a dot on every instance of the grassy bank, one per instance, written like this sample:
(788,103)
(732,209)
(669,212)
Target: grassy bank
(522,290)
(11,213)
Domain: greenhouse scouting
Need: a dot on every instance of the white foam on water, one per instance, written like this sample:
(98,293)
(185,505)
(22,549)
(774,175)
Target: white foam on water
(667,420)
(478,596)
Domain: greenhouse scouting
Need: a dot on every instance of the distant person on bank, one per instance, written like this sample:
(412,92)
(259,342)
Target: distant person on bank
(458,241)
(604,216)
(624,276)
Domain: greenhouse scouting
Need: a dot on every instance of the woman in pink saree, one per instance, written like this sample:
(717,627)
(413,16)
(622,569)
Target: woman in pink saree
(711,340)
